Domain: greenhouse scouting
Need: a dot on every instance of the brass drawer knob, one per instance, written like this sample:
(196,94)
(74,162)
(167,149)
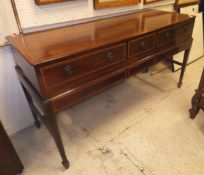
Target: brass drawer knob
(185,28)
(68,70)
(110,56)
(167,35)
(142,44)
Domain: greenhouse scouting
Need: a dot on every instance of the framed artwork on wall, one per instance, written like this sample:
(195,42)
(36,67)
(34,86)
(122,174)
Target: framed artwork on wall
(185,3)
(41,2)
(100,4)
(151,1)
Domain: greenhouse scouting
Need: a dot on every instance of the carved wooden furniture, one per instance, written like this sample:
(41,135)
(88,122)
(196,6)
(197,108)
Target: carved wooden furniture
(10,163)
(61,67)
(198,99)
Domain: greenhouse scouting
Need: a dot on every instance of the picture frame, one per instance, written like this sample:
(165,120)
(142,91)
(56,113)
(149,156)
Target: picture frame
(42,2)
(151,1)
(185,3)
(100,4)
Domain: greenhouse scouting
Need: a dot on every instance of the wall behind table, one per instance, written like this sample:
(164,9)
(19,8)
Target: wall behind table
(197,46)
(14,111)
(7,20)
(33,16)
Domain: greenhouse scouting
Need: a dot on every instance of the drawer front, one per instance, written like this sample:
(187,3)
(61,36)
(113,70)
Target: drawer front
(175,34)
(83,94)
(141,45)
(65,71)
(83,82)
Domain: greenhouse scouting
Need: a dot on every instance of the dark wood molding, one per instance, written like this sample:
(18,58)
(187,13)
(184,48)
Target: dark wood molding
(10,163)
(197,100)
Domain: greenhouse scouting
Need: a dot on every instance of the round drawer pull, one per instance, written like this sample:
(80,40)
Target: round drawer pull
(184,28)
(142,44)
(110,56)
(167,35)
(68,70)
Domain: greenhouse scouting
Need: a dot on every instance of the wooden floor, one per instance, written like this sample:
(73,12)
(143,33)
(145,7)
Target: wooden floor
(141,127)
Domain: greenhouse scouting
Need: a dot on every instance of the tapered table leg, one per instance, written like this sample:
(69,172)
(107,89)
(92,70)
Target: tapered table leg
(31,105)
(53,128)
(183,68)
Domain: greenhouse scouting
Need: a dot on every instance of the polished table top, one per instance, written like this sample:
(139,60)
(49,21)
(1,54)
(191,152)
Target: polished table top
(44,46)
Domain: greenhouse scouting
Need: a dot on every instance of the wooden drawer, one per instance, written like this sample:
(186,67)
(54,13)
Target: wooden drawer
(141,45)
(82,82)
(175,34)
(64,71)
(98,86)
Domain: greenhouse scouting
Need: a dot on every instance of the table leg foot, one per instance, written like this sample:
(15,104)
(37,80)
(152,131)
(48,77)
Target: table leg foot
(65,164)
(195,106)
(179,84)
(52,126)
(192,113)
(38,124)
